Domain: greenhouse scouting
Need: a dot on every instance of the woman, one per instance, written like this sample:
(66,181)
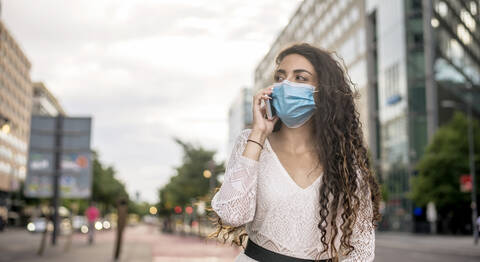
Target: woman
(301,182)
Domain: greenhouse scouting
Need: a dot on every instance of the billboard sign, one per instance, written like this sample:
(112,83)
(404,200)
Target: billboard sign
(75,159)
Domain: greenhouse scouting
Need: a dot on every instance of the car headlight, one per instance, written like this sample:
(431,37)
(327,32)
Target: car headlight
(84,229)
(31,227)
(106,224)
(98,225)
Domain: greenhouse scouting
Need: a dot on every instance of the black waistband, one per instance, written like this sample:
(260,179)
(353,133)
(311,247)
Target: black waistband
(264,255)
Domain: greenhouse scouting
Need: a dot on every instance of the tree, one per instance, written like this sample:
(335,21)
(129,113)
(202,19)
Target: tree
(106,188)
(440,168)
(188,183)
(140,209)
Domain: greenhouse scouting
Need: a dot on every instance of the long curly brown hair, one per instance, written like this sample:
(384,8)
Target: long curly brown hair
(341,151)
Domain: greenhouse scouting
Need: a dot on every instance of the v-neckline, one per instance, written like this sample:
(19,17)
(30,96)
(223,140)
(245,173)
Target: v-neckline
(285,172)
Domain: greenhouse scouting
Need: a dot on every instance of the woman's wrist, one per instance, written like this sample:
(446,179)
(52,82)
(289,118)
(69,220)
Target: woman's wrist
(258,135)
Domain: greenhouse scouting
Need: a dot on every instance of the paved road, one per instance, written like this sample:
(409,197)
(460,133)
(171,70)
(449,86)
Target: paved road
(141,244)
(145,243)
(396,247)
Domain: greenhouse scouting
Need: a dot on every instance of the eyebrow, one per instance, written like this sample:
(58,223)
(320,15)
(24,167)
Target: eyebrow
(295,71)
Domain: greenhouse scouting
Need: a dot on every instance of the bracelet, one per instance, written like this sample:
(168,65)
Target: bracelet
(250,140)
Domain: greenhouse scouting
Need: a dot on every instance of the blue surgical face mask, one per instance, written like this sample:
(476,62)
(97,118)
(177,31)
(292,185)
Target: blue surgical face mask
(293,102)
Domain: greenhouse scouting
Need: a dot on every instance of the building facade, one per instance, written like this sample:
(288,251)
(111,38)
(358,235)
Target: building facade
(15,111)
(397,82)
(239,115)
(420,54)
(44,102)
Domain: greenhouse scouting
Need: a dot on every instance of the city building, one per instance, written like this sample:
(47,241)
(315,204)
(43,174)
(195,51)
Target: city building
(44,102)
(239,116)
(15,111)
(406,57)
(419,55)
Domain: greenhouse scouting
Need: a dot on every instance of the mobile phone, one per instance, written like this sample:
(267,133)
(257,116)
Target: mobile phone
(270,109)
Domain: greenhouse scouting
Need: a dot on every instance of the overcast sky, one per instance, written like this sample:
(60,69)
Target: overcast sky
(147,71)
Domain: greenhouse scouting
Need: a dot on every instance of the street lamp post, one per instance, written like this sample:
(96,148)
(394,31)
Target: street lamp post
(209,174)
(471,153)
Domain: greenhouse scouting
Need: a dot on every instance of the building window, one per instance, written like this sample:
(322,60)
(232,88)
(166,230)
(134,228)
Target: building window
(392,87)
(473,8)
(354,15)
(463,34)
(468,20)
(319,9)
(442,8)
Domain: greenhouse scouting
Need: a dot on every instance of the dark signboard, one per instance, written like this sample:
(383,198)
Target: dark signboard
(75,167)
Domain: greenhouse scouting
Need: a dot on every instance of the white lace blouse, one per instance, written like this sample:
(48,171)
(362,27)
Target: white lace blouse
(280,215)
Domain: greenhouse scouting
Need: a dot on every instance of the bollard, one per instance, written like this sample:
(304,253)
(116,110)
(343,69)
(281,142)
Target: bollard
(122,210)
(44,213)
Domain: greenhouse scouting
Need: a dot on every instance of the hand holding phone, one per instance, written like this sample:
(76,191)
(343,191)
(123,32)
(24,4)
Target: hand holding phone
(269,109)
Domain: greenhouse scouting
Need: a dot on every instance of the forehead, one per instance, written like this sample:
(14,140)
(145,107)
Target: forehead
(294,61)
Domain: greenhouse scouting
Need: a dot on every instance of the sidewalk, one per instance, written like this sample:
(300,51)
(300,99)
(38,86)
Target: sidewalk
(435,244)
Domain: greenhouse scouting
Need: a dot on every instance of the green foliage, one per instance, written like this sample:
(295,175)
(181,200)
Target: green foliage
(106,188)
(444,161)
(384,192)
(188,184)
(140,209)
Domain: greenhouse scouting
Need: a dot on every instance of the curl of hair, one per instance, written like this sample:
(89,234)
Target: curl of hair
(341,151)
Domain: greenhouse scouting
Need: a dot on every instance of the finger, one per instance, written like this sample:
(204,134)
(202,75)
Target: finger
(268,90)
(257,100)
(263,94)
(263,110)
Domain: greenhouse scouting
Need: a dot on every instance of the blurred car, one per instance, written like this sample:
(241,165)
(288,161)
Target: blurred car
(80,224)
(39,224)
(102,224)
(106,225)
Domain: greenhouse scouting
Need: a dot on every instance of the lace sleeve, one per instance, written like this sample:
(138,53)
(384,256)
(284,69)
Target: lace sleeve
(363,235)
(235,202)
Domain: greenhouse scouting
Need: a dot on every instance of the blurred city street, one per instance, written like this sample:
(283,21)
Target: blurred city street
(141,243)
(150,120)
(147,243)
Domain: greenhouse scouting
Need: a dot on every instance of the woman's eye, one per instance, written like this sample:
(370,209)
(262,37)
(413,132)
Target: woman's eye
(300,78)
(278,78)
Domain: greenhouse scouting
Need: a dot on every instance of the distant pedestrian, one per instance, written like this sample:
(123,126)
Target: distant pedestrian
(92,215)
(478,224)
(300,179)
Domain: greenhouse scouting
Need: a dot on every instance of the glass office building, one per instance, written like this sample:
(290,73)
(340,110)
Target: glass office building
(419,55)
